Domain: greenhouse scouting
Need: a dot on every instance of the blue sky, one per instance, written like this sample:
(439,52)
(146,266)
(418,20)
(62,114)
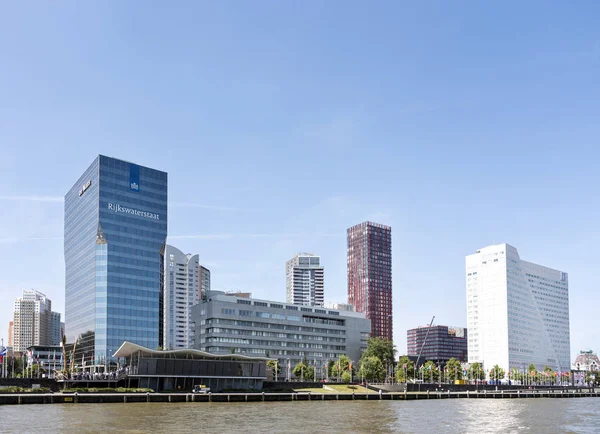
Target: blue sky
(459,124)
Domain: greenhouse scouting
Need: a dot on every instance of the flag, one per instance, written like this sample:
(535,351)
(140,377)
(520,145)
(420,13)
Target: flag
(350,365)
(2,353)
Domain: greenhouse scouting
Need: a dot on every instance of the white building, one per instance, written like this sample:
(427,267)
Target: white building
(32,322)
(517,311)
(305,280)
(181,292)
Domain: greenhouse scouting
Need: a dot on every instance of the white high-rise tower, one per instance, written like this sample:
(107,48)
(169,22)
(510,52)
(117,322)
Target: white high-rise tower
(517,311)
(181,285)
(305,280)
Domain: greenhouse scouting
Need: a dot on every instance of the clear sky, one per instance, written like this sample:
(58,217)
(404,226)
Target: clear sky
(282,123)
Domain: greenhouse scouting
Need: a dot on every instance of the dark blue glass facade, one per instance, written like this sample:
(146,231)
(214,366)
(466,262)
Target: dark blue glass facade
(115,234)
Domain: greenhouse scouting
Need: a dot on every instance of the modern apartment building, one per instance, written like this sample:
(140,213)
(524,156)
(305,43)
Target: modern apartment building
(181,293)
(115,234)
(437,343)
(287,332)
(370,275)
(204,279)
(517,311)
(32,320)
(305,280)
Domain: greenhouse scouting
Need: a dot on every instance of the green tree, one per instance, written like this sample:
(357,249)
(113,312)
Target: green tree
(533,374)
(548,375)
(381,348)
(593,378)
(346,377)
(430,372)
(330,365)
(515,375)
(405,370)
(496,373)
(304,372)
(453,370)
(371,369)
(275,366)
(476,372)
(341,365)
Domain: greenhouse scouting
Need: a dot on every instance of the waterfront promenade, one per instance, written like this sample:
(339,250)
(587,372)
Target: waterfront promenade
(91,398)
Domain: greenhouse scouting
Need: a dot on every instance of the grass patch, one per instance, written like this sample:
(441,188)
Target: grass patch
(337,388)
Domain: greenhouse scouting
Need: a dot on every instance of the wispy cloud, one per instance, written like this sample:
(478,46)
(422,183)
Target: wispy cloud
(205,206)
(34,198)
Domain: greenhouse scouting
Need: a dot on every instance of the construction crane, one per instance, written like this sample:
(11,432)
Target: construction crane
(424,341)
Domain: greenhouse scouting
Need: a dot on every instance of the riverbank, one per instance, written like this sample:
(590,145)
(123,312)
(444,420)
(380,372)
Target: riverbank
(91,398)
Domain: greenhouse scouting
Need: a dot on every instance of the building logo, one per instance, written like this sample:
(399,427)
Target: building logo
(136,212)
(85,187)
(134,177)
(563,277)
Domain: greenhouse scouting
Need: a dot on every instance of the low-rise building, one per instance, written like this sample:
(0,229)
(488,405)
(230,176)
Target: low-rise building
(437,343)
(227,324)
(184,368)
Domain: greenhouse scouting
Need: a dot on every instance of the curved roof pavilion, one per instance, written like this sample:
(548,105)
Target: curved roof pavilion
(127,349)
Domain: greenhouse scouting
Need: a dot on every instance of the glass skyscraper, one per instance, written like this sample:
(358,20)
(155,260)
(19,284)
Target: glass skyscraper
(115,234)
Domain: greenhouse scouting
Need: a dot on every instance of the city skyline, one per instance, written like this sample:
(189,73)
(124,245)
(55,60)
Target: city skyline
(463,127)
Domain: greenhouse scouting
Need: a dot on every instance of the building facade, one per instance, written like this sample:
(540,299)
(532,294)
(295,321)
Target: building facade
(586,361)
(181,293)
(56,329)
(282,331)
(204,279)
(305,280)
(115,234)
(32,320)
(370,275)
(437,343)
(10,333)
(517,311)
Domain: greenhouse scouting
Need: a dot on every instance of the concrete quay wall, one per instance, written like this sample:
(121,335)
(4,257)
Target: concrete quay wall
(90,398)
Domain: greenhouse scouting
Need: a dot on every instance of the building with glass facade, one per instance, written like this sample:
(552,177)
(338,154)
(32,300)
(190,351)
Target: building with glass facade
(517,311)
(370,275)
(305,280)
(204,278)
(286,332)
(437,343)
(115,234)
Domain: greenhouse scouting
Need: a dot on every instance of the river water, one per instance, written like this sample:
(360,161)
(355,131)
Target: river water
(575,415)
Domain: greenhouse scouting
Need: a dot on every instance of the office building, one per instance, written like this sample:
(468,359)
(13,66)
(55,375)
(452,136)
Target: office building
(437,343)
(283,331)
(32,320)
(10,333)
(56,329)
(181,293)
(305,280)
(115,234)
(370,275)
(517,311)
(204,278)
